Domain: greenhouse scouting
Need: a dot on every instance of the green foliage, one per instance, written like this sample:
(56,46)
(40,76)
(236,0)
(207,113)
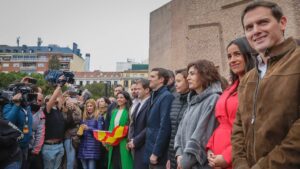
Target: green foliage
(54,63)
(8,78)
(12,77)
(98,90)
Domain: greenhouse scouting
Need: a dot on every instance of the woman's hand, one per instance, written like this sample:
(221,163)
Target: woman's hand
(168,165)
(210,158)
(216,161)
(179,158)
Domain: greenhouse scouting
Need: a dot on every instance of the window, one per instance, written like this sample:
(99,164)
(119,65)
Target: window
(80,83)
(5,65)
(41,64)
(126,83)
(29,64)
(87,82)
(16,65)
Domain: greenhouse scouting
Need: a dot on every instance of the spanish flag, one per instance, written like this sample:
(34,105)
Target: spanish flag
(112,138)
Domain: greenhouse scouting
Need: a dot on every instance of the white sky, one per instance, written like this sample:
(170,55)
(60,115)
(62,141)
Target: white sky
(110,30)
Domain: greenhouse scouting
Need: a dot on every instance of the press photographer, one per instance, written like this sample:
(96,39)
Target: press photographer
(17,110)
(53,149)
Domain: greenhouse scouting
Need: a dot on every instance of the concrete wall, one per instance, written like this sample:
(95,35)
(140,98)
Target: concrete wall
(185,30)
(77,64)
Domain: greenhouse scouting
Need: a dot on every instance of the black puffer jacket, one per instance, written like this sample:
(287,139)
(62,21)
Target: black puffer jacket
(178,107)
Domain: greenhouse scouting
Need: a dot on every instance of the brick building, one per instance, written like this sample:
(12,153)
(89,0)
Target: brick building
(35,59)
(182,31)
(124,78)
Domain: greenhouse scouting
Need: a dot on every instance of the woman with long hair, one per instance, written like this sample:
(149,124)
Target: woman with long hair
(89,148)
(102,105)
(198,122)
(118,156)
(219,145)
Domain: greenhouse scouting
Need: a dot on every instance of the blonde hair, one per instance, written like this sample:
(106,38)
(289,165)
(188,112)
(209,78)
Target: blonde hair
(102,109)
(95,113)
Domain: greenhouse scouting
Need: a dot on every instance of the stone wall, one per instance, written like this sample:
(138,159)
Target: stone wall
(185,30)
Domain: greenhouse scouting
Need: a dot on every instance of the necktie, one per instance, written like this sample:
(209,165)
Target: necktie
(135,112)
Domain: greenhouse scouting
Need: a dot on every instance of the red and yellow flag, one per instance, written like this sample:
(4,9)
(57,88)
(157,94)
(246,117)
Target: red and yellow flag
(112,138)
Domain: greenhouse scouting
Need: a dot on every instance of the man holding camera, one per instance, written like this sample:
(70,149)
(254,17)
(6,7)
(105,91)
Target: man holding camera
(19,113)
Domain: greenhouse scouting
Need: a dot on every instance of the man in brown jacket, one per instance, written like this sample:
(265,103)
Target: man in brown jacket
(266,133)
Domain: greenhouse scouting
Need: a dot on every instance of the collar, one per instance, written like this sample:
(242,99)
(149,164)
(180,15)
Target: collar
(160,90)
(277,52)
(144,100)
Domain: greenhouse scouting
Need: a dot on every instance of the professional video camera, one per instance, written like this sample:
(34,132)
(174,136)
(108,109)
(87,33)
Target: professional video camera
(53,77)
(27,98)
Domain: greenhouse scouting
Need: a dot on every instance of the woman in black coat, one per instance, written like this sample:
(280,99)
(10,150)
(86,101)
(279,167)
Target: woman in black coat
(178,107)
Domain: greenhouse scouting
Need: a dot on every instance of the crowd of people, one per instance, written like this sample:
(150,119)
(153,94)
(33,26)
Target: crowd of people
(190,119)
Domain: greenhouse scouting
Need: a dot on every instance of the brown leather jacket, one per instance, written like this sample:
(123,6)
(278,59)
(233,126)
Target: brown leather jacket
(266,132)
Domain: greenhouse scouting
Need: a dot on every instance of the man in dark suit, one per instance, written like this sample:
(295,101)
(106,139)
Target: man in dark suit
(158,120)
(137,129)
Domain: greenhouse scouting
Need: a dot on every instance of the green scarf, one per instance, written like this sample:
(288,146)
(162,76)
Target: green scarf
(126,158)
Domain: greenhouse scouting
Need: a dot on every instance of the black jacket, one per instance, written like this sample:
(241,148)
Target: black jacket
(9,147)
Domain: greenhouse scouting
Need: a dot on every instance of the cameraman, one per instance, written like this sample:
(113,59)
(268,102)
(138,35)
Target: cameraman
(53,149)
(19,113)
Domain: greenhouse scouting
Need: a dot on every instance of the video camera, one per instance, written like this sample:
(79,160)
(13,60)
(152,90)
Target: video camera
(27,98)
(53,77)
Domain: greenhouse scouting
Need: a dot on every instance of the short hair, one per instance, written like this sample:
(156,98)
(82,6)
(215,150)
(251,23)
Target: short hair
(207,70)
(182,71)
(171,74)
(275,9)
(247,53)
(118,85)
(144,82)
(162,73)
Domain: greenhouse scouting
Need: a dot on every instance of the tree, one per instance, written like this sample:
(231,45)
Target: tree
(98,89)
(54,63)
(12,77)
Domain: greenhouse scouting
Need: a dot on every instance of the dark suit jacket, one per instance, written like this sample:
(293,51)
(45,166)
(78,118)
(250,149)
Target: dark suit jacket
(158,126)
(138,134)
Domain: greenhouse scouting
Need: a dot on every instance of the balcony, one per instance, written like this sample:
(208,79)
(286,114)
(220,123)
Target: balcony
(64,59)
(28,68)
(29,60)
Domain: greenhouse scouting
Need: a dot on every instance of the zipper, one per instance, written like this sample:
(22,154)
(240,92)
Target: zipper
(254,114)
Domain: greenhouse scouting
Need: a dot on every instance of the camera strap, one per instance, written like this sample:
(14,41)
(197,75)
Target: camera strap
(26,127)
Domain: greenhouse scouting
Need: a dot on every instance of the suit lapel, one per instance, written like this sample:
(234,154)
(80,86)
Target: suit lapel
(144,106)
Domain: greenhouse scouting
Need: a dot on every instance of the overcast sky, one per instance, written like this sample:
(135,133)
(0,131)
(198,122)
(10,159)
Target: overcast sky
(110,30)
